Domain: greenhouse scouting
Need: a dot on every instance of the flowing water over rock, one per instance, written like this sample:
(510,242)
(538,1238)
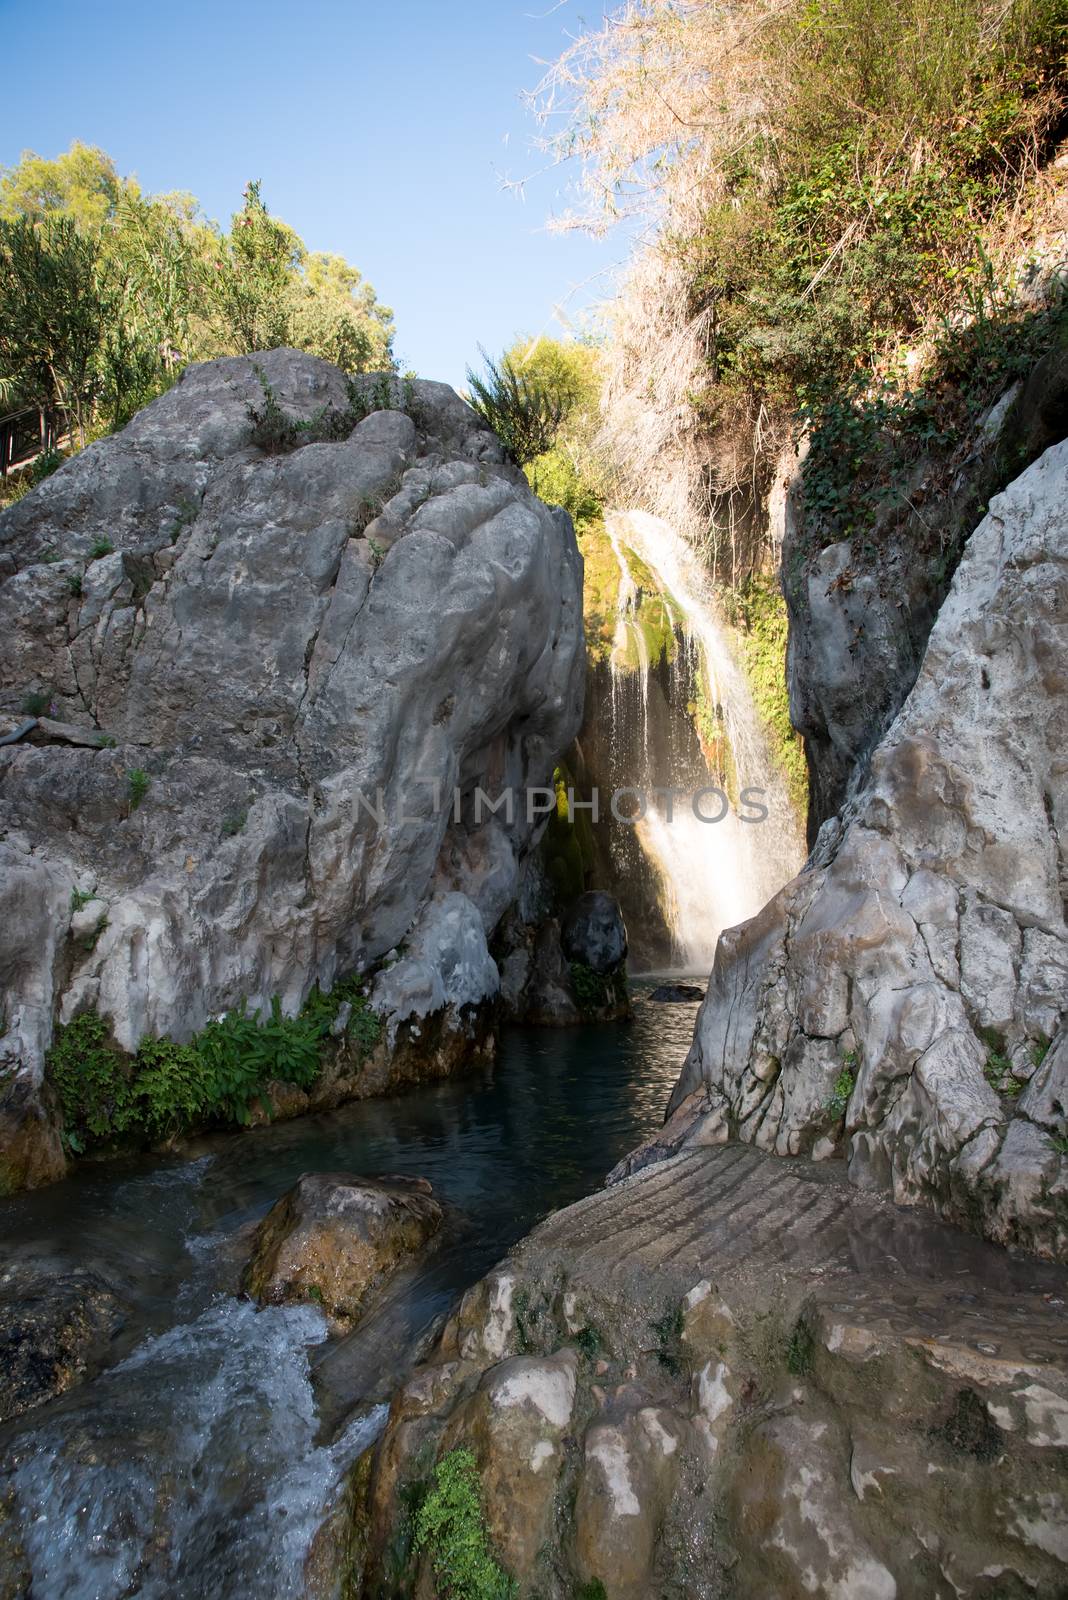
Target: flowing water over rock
(670,709)
(203,1461)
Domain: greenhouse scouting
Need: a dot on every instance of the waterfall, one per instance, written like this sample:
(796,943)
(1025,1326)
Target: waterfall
(681,717)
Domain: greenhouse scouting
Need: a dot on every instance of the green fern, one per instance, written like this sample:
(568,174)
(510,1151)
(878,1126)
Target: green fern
(450,1527)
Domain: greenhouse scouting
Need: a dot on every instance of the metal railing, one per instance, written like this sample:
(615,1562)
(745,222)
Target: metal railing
(25,434)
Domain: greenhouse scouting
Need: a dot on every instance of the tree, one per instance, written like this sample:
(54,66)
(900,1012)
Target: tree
(336,315)
(81,184)
(109,292)
(53,312)
(254,272)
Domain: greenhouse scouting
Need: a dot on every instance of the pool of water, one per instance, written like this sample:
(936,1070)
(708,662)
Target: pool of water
(201,1461)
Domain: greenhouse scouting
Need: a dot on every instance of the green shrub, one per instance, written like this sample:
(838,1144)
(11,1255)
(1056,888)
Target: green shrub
(91,1079)
(171,1091)
(168,1088)
(37,703)
(521,407)
(273,431)
(840,1094)
(450,1528)
(364,1027)
(800,1350)
(137,786)
(45,464)
(589,1342)
(591,990)
(669,1330)
(242,1055)
(100,548)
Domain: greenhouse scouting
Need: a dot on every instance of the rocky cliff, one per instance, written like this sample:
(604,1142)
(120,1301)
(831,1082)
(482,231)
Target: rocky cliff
(902,1001)
(257,653)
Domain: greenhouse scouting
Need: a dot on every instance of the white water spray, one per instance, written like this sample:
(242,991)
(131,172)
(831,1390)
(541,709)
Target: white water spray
(712,875)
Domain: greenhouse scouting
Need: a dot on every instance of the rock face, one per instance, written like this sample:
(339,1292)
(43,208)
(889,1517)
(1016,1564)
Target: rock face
(56,1324)
(558,973)
(903,999)
(335,1238)
(860,619)
(592,932)
(801,1391)
(288,677)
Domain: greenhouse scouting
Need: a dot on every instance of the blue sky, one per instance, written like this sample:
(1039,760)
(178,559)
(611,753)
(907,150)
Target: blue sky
(379,130)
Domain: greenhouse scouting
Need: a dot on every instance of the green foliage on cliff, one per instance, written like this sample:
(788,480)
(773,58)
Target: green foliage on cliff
(831,183)
(450,1527)
(218,1076)
(106,293)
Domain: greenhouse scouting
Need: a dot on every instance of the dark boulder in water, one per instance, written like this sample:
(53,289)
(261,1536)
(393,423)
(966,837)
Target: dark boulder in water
(677,993)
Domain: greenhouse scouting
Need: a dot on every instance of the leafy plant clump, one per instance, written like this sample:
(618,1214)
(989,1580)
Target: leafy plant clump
(138,783)
(669,1330)
(999,1074)
(37,703)
(364,1026)
(46,463)
(840,1094)
(277,433)
(800,1350)
(593,991)
(450,1528)
(168,1088)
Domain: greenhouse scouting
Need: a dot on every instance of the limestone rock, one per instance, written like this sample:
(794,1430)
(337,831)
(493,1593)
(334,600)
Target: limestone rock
(592,931)
(629,1473)
(731,1374)
(676,993)
(309,656)
(516,1423)
(548,984)
(56,1324)
(861,611)
(896,998)
(334,1239)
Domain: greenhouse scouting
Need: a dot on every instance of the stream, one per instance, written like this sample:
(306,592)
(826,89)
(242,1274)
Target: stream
(202,1461)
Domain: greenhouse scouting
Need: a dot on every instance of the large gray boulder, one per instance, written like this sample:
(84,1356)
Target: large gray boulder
(904,998)
(308,655)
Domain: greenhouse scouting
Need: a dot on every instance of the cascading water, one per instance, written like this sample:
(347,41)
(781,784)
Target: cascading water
(679,716)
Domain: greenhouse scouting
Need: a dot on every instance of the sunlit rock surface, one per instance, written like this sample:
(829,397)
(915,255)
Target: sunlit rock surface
(306,654)
(731,1374)
(902,1000)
